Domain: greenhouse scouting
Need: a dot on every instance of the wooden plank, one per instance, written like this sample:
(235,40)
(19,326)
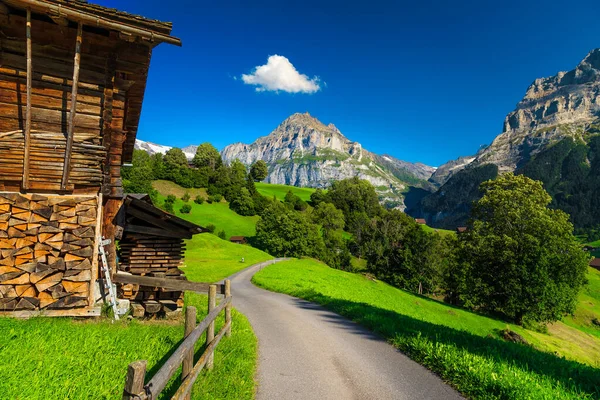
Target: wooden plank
(155,231)
(188,361)
(134,382)
(186,386)
(210,332)
(158,382)
(27,132)
(166,283)
(70,127)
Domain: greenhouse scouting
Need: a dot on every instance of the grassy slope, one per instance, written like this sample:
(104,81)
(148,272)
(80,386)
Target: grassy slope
(204,214)
(279,191)
(588,307)
(210,259)
(62,358)
(463,347)
(439,230)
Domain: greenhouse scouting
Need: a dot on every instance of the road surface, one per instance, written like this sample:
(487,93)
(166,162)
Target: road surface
(307,352)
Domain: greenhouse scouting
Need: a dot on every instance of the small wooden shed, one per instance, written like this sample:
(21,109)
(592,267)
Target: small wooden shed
(421,221)
(238,239)
(595,263)
(151,244)
(72,82)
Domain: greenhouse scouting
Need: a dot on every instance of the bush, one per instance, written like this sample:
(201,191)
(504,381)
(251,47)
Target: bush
(170,199)
(211,228)
(222,234)
(168,206)
(215,198)
(199,200)
(185,209)
(186,197)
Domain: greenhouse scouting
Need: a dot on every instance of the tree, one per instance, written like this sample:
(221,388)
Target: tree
(138,178)
(398,251)
(354,197)
(520,257)
(283,232)
(185,197)
(238,174)
(317,197)
(207,156)
(329,217)
(185,209)
(175,158)
(242,203)
(259,170)
(294,201)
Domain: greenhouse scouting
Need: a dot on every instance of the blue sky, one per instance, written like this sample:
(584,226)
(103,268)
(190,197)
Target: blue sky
(423,81)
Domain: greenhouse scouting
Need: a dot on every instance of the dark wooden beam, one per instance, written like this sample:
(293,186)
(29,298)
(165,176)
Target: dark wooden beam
(71,124)
(166,283)
(27,133)
(156,232)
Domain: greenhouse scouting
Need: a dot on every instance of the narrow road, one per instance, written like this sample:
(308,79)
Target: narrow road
(307,352)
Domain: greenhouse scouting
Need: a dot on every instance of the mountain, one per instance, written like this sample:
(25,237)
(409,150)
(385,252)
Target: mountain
(552,136)
(153,148)
(302,151)
(553,108)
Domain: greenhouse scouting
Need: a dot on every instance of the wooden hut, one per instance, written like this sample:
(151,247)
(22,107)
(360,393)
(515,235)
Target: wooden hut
(152,244)
(595,263)
(72,81)
(238,239)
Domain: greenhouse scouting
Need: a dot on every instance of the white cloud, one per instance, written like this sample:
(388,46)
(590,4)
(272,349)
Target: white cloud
(278,74)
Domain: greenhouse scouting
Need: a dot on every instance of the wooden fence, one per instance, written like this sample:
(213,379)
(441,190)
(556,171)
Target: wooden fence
(135,389)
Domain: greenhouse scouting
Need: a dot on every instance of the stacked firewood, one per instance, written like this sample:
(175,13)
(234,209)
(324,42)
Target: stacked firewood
(46,251)
(151,256)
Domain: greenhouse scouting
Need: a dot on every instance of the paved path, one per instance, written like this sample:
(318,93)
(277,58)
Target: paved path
(307,352)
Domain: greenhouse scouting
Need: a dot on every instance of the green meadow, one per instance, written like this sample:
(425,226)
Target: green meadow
(279,191)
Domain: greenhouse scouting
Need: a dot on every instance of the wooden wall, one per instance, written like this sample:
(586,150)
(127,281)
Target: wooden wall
(148,255)
(111,86)
(48,252)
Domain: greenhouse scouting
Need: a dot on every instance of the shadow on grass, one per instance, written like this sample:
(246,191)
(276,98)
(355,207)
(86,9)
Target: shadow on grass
(573,376)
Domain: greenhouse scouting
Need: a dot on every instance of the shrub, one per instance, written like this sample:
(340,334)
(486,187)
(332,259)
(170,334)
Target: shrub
(170,199)
(186,197)
(211,228)
(199,200)
(215,198)
(222,234)
(185,209)
(168,206)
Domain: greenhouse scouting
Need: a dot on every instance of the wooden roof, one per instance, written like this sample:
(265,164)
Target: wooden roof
(141,217)
(421,221)
(103,17)
(595,263)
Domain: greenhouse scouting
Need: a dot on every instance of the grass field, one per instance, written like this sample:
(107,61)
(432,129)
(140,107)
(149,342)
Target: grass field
(210,259)
(588,307)
(62,358)
(462,347)
(279,191)
(439,230)
(204,214)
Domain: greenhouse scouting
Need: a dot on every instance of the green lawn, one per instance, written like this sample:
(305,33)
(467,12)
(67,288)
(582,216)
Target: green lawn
(462,347)
(279,191)
(217,214)
(429,229)
(62,358)
(210,259)
(588,307)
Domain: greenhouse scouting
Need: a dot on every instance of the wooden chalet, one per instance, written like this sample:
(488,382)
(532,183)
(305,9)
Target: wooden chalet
(595,263)
(72,81)
(421,221)
(238,239)
(151,244)
(461,229)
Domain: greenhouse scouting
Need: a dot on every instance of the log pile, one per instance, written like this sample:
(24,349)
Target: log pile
(147,255)
(47,248)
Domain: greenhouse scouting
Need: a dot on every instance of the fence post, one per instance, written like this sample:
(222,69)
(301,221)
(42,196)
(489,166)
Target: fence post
(210,332)
(188,361)
(134,383)
(228,306)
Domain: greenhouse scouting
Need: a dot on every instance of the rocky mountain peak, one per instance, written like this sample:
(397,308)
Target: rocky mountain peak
(553,108)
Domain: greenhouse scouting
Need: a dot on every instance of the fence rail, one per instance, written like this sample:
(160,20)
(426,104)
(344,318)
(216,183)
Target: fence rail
(135,389)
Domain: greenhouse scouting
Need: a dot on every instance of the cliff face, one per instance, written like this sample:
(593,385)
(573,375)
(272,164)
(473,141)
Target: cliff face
(553,108)
(302,151)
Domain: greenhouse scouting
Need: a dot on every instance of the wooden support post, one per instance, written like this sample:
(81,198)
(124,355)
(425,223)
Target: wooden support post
(228,307)
(188,361)
(71,122)
(27,133)
(210,332)
(134,383)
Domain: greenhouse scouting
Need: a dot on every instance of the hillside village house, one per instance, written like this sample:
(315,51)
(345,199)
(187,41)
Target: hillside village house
(595,263)
(72,81)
